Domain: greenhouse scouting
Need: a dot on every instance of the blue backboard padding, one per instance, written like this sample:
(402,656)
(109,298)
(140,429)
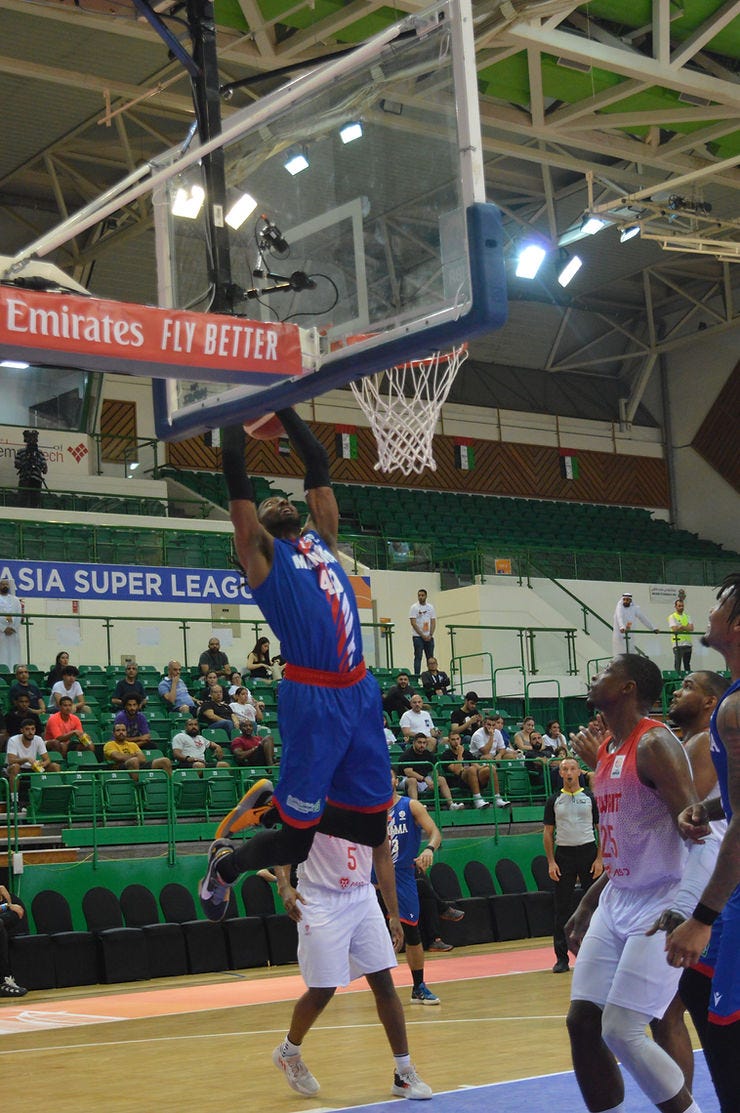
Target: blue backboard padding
(487,312)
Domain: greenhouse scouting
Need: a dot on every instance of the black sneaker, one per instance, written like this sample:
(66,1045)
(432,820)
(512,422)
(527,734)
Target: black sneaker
(561,966)
(214,893)
(10,988)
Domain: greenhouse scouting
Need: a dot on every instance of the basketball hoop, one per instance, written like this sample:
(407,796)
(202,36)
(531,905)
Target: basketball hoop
(403,405)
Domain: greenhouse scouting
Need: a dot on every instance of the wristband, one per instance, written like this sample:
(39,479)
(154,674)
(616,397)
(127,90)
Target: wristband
(704,914)
(233,442)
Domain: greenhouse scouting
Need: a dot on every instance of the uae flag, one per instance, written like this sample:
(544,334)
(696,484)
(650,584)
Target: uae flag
(568,464)
(283,446)
(464,455)
(346,442)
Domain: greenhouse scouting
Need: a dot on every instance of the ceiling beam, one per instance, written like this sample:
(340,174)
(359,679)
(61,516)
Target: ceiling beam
(706,32)
(622,61)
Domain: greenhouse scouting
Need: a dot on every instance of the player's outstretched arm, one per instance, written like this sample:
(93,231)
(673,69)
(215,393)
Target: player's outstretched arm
(254,545)
(423,819)
(319,495)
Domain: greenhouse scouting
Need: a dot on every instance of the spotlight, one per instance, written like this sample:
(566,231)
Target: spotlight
(243,207)
(14,365)
(530,260)
(188,202)
(570,269)
(629,232)
(296,163)
(592,224)
(350,132)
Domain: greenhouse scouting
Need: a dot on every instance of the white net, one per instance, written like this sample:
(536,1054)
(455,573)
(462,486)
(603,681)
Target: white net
(403,405)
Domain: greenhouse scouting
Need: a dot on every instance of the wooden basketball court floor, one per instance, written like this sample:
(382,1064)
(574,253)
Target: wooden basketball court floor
(205,1042)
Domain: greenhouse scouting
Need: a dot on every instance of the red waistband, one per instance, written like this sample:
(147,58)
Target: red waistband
(322,679)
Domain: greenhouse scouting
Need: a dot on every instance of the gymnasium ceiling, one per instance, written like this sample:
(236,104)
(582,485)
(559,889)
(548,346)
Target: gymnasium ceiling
(628,107)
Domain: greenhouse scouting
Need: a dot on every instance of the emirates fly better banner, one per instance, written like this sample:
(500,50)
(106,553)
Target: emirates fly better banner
(73,331)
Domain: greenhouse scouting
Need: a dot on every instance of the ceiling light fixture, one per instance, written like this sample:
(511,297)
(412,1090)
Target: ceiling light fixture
(592,224)
(530,260)
(187,203)
(296,163)
(570,269)
(629,232)
(350,132)
(242,208)
(14,365)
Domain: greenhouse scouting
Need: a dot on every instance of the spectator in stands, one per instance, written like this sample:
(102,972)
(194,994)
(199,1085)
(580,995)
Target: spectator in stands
(20,711)
(423,619)
(259,662)
(249,748)
(553,737)
(417,721)
(22,684)
(626,614)
(64,731)
(416,767)
(214,713)
(682,628)
(54,674)
(70,686)
(26,753)
(189,748)
(243,706)
(11,915)
(124,753)
(129,685)
(469,776)
(3,732)
(434,681)
(398,698)
(10,624)
(465,720)
(498,722)
(173,691)
(210,681)
(523,737)
(31,465)
(538,758)
(389,735)
(214,659)
(135,722)
(235,681)
(487,742)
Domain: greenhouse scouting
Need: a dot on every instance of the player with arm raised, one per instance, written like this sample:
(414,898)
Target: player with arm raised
(334,767)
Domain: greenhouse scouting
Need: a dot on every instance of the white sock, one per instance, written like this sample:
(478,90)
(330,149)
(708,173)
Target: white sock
(289,1048)
(477,796)
(403,1062)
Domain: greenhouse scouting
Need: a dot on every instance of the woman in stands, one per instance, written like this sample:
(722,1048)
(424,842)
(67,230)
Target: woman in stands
(55,672)
(259,662)
(521,738)
(243,706)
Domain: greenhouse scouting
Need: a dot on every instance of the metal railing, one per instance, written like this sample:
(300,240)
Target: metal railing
(377,638)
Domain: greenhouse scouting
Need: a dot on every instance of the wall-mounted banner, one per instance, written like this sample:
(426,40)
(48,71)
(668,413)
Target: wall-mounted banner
(69,330)
(42,579)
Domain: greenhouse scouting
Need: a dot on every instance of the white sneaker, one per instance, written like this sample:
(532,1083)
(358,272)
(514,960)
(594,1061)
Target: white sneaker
(481,803)
(501,803)
(407,1084)
(455,807)
(297,1074)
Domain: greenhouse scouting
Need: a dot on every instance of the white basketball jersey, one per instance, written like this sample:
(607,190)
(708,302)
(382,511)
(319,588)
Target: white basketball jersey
(335,864)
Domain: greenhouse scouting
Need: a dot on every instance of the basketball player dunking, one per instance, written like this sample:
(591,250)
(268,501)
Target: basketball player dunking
(334,766)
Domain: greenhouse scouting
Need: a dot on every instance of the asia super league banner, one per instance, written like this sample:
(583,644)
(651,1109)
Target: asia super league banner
(41,579)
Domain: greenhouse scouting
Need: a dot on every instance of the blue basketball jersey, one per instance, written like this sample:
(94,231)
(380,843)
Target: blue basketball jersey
(404,835)
(719,753)
(309,603)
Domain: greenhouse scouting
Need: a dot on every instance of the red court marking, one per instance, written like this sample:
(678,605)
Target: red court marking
(143,1003)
